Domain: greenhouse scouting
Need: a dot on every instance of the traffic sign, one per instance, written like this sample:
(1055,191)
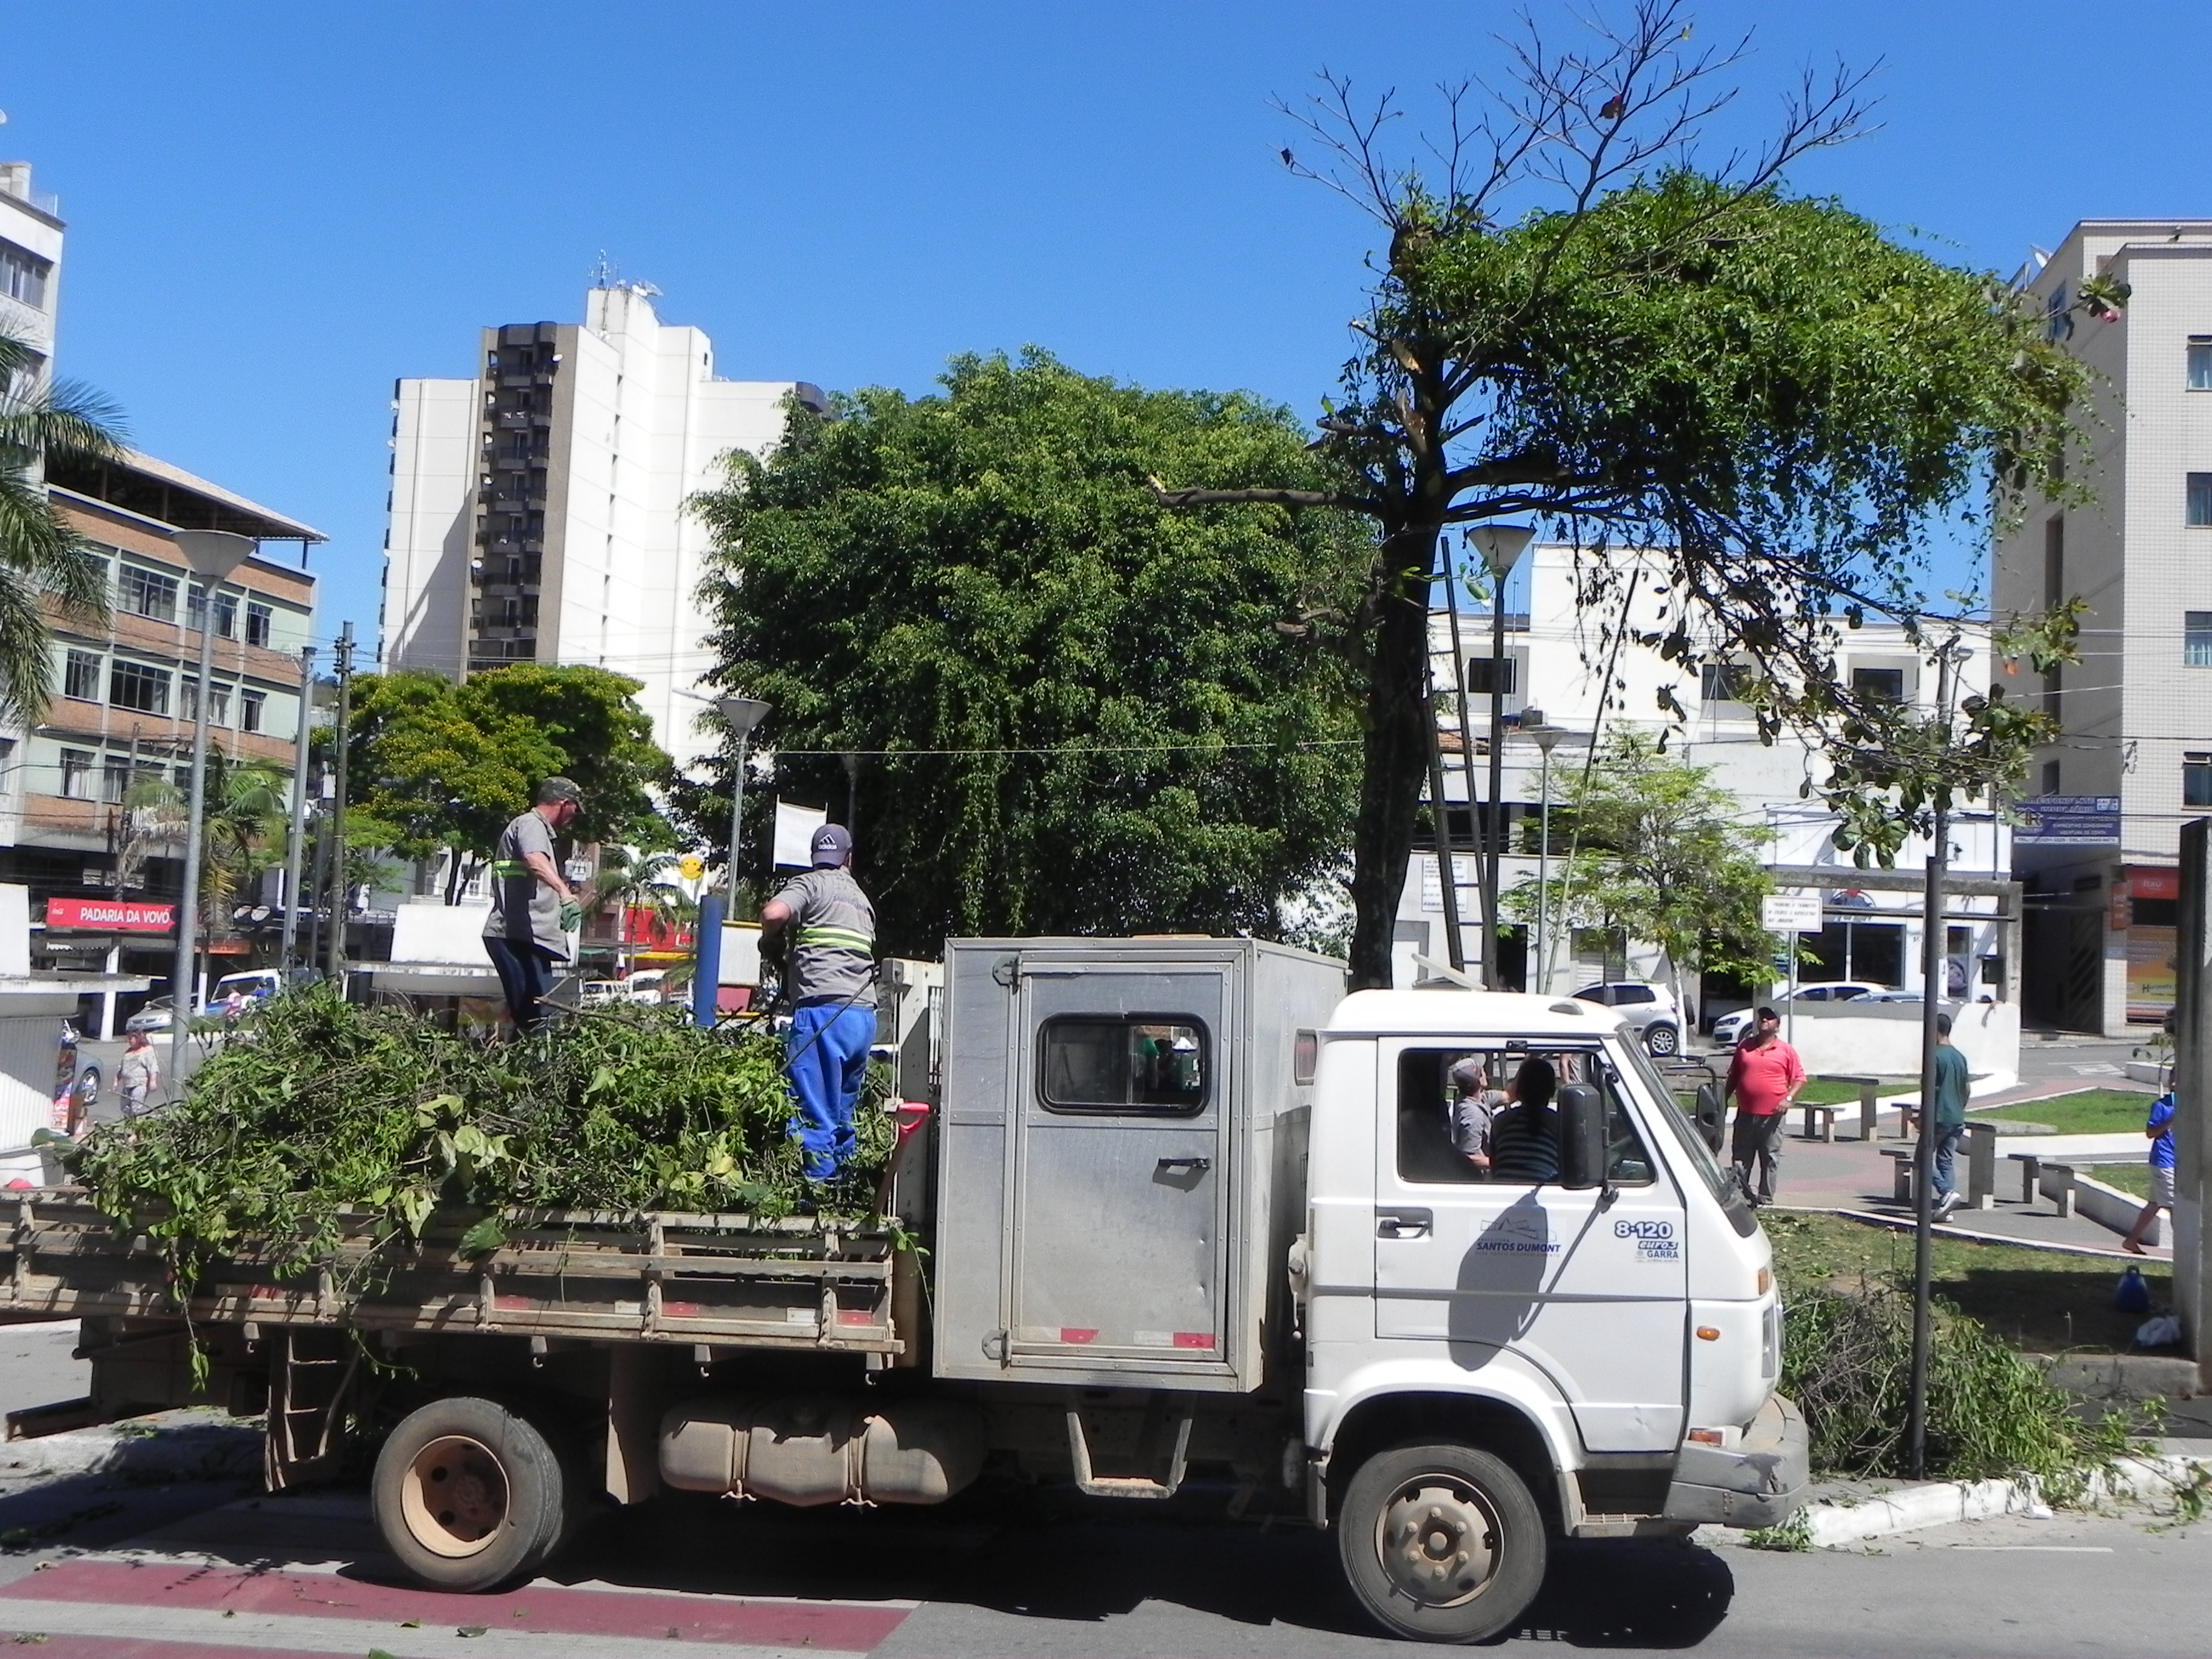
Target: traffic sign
(1790,913)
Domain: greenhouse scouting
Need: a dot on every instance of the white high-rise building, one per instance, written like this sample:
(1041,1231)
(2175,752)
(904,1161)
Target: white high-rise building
(537,510)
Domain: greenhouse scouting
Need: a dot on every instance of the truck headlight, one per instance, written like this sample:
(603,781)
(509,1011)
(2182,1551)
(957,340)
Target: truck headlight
(1770,1343)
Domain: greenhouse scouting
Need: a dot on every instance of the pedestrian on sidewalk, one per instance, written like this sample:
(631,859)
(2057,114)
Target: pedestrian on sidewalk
(139,1074)
(2160,1127)
(1947,1122)
(1764,1079)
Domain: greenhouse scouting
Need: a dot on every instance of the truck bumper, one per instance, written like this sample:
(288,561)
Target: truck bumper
(1759,1482)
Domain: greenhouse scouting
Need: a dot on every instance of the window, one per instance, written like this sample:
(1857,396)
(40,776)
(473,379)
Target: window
(1624,995)
(1487,674)
(136,685)
(226,612)
(8,766)
(257,618)
(2197,780)
(146,592)
(1886,684)
(1724,682)
(80,677)
(1149,1064)
(114,778)
(1440,1120)
(2200,362)
(251,710)
(188,702)
(23,276)
(2197,639)
(77,773)
(2200,498)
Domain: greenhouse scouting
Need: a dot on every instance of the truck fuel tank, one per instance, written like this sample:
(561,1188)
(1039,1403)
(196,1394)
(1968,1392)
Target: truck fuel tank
(811,1449)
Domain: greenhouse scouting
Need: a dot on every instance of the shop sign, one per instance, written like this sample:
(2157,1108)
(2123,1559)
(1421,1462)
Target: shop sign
(2068,821)
(112,915)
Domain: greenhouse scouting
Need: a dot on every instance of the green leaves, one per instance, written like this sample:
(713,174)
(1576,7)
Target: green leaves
(1093,721)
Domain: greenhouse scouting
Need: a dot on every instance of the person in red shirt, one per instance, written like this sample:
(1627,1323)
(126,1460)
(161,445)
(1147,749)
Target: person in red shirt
(1763,1079)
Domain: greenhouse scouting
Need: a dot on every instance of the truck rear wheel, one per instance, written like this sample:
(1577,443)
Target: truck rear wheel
(1442,1543)
(469,1494)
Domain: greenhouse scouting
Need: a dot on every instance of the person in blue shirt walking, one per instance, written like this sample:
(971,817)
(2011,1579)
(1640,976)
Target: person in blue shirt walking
(831,978)
(2160,1127)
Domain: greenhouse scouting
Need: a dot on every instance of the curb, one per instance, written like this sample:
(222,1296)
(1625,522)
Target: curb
(1844,1526)
(177,1446)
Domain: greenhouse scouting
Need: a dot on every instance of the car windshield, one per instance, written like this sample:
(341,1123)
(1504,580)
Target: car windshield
(1679,1124)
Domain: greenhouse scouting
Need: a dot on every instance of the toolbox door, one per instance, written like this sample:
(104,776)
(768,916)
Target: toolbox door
(1120,1244)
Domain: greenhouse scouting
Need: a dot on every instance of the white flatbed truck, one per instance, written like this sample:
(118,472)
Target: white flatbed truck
(1185,1207)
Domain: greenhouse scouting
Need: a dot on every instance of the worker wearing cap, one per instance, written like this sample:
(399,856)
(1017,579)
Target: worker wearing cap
(831,980)
(533,908)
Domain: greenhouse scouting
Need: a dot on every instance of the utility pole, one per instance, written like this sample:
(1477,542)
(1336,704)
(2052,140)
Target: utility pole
(334,965)
(319,883)
(1932,979)
(1440,815)
(293,850)
(1488,920)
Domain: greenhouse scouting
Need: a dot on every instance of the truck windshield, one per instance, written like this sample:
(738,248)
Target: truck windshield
(1679,1124)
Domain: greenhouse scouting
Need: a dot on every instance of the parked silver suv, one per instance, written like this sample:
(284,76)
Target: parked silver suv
(1648,1010)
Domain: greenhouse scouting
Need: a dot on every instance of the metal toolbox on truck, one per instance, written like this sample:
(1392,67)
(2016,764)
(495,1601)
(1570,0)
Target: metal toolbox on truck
(1119,1157)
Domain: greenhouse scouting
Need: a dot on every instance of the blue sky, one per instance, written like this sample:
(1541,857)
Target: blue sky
(276,210)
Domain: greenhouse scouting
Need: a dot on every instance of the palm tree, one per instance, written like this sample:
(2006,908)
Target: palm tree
(627,881)
(40,557)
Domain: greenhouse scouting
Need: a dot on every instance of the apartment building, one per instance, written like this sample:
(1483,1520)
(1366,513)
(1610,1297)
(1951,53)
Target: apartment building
(30,263)
(2098,852)
(1555,660)
(537,509)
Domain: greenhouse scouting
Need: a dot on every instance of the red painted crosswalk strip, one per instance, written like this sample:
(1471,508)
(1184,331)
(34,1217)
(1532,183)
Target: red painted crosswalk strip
(555,1609)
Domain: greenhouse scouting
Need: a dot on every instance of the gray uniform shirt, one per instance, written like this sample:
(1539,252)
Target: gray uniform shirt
(833,939)
(524,909)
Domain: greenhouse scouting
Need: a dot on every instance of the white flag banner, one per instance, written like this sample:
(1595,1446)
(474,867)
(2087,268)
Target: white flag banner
(794,834)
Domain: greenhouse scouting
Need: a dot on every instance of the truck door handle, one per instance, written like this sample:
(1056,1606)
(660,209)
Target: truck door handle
(1196,1165)
(1404,1223)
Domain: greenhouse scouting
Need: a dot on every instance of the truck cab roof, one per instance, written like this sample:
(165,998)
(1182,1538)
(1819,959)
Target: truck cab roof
(1449,1011)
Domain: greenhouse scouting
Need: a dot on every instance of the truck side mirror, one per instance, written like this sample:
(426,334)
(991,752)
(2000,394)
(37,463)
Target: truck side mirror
(1712,1115)
(1582,1137)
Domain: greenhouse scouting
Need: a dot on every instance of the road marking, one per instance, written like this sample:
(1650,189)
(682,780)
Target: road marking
(116,1597)
(2099,1068)
(2038,1549)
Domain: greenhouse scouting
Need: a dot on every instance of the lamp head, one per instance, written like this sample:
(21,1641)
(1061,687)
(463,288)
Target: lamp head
(213,554)
(741,715)
(1501,545)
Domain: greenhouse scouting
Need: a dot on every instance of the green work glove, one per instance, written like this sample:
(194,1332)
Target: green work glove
(572,915)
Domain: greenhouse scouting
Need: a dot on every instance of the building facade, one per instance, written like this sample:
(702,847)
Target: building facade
(2098,854)
(537,510)
(1555,660)
(103,883)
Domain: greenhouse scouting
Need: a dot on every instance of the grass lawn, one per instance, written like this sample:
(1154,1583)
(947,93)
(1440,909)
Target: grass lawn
(2128,1178)
(2092,1112)
(1817,1093)
(2040,1301)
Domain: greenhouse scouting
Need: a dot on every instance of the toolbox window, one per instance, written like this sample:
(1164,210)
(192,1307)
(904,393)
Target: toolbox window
(1154,1063)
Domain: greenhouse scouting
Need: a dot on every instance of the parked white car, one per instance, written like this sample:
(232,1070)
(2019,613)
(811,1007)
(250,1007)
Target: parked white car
(1650,1011)
(1732,1028)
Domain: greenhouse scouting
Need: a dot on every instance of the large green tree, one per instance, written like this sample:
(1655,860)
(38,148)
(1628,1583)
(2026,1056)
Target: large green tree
(41,557)
(1759,407)
(1070,708)
(447,764)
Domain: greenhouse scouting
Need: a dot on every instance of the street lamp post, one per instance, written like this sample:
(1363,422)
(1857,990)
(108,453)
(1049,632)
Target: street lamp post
(1501,546)
(741,715)
(211,554)
(1546,738)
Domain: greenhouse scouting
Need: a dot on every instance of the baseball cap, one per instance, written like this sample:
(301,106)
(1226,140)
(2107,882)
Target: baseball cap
(555,789)
(833,844)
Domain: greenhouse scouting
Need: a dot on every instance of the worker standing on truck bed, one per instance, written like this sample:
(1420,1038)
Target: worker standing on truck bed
(831,982)
(533,908)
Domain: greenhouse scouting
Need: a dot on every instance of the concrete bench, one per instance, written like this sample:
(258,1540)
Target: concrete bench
(1901,1171)
(2040,1179)
(1978,1154)
(1870,1123)
(1825,1129)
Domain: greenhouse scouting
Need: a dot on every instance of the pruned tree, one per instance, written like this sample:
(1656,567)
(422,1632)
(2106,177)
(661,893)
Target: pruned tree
(1757,406)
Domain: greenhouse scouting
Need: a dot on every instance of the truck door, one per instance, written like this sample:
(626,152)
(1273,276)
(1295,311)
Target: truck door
(1593,1293)
(1120,1242)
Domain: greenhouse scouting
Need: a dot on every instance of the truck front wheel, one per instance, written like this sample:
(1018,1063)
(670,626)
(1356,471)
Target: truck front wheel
(468,1494)
(1442,1543)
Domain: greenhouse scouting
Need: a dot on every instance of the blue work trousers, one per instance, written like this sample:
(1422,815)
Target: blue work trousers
(828,1062)
(1946,1151)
